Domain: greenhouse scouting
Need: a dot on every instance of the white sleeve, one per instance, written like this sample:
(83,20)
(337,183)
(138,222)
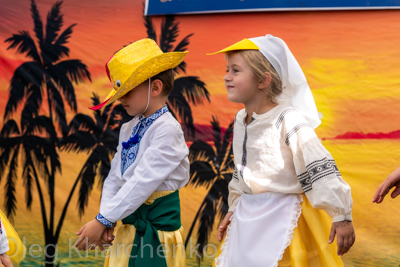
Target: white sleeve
(315,168)
(234,192)
(166,152)
(3,239)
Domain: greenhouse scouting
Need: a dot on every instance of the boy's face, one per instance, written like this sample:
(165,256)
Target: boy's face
(135,101)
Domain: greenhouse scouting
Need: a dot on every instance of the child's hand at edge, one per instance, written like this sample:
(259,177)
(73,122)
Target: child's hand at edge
(224,225)
(5,260)
(90,234)
(346,236)
(393,180)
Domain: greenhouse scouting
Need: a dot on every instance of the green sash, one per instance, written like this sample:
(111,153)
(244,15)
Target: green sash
(165,215)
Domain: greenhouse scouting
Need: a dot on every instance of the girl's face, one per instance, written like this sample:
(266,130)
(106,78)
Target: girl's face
(240,81)
(135,101)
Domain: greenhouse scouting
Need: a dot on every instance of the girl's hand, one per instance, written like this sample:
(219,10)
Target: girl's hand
(5,260)
(345,236)
(224,226)
(90,234)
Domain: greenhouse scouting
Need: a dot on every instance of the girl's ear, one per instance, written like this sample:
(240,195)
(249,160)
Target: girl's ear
(265,81)
(156,87)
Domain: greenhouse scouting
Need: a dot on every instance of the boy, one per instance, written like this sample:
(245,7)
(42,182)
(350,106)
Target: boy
(150,165)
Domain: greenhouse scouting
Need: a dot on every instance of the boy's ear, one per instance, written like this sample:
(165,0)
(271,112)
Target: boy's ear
(265,81)
(156,87)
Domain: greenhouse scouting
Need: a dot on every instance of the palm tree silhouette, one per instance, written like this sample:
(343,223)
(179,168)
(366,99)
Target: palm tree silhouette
(36,152)
(100,138)
(187,89)
(212,167)
(46,74)
(48,77)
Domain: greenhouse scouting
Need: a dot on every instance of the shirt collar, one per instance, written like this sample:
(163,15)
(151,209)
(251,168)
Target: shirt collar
(242,115)
(153,116)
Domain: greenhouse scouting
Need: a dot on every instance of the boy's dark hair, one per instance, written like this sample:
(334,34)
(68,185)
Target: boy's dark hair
(167,78)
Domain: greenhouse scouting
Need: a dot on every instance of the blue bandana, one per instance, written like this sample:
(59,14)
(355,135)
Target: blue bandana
(131,147)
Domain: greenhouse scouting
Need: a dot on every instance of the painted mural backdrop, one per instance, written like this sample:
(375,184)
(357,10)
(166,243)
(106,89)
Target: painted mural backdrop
(55,152)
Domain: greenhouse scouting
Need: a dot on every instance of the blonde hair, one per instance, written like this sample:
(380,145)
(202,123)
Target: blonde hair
(260,65)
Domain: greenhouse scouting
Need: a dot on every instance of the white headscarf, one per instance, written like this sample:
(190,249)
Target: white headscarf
(294,83)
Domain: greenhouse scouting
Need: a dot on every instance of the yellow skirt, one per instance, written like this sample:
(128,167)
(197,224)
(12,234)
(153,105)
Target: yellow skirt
(17,249)
(173,242)
(309,245)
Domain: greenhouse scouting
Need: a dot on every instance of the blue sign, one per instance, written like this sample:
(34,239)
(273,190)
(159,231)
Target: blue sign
(164,7)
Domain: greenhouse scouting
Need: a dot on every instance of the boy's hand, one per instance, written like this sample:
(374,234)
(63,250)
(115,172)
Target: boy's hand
(224,226)
(5,260)
(345,236)
(90,234)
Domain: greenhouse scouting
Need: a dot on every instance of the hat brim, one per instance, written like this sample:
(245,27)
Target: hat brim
(245,44)
(148,69)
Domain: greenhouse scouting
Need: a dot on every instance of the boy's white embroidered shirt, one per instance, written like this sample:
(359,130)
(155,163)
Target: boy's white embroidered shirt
(161,164)
(278,151)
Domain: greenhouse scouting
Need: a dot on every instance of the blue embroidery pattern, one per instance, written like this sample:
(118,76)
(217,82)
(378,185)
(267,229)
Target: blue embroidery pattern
(131,147)
(104,221)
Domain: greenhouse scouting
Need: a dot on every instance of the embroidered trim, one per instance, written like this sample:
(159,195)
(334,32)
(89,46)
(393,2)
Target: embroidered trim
(317,170)
(130,148)
(104,221)
(244,156)
(220,260)
(283,114)
(235,175)
(294,217)
(294,130)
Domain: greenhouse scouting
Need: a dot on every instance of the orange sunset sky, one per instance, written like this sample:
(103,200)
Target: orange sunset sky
(350,58)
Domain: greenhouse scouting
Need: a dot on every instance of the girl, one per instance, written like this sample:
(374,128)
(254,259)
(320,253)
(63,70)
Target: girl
(283,175)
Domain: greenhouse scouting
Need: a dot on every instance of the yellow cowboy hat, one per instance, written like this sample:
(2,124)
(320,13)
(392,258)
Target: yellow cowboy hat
(134,64)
